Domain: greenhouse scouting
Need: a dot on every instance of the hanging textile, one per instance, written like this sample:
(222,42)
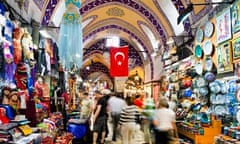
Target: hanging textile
(2,70)
(70,40)
(9,64)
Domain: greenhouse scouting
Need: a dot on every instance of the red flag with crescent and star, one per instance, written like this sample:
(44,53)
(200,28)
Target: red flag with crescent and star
(119,61)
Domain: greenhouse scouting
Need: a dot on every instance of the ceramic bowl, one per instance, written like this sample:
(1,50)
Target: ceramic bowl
(187,93)
(215,87)
(203,91)
(209,76)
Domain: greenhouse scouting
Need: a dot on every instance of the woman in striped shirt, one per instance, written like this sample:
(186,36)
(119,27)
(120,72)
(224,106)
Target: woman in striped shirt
(128,121)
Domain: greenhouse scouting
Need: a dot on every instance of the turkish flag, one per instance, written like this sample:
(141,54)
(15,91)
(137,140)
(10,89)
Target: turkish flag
(119,61)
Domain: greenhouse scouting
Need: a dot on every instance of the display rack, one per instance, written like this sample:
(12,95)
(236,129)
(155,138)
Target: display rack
(207,137)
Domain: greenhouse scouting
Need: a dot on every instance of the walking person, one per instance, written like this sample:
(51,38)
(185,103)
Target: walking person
(164,122)
(115,106)
(100,118)
(128,122)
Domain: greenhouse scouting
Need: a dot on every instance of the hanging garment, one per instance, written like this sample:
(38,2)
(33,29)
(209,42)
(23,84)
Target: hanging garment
(2,24)
(33,70)
(27,45)
(41,61)
(48,62)
(1,63)
(55,58)
(2,9)
(8,30)
(17,35)
(70,40)
(21,76)
(9,64)
(31,109)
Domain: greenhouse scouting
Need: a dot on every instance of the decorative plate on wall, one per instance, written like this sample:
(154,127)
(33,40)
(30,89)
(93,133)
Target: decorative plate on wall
(198,51)
(238,116)
(208,48)
(199,68)
(209,29)
(199,35)
(208,63)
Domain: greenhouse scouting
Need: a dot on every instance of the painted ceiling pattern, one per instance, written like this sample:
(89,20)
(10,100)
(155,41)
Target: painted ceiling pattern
(100,68)
(138,7)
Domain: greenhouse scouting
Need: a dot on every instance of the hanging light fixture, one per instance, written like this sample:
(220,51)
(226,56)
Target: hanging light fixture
(136,77)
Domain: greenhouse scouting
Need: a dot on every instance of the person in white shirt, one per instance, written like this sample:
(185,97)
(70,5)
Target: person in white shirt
(115,106)
(164,122)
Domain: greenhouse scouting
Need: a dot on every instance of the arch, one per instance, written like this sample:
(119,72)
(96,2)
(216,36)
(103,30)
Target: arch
(128,32)
(94,67)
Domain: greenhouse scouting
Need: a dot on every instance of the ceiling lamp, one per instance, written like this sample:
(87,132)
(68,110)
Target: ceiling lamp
(136,77)
(186,12)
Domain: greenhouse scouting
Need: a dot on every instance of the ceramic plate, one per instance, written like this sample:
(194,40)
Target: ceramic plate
(201,82)
(213,98)
(238,95)
(220,99)
(208,64)
(203,100)
(232,86)
(238,116)
(199,68)
(224,88)
(208,29)
(219,110)
(208,48)
(203,91)
(199,35)
(198,51)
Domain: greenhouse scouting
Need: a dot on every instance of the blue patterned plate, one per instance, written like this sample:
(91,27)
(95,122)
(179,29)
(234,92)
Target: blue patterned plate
(198,51)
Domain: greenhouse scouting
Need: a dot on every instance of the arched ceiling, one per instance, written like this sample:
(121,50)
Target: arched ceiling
(144,25)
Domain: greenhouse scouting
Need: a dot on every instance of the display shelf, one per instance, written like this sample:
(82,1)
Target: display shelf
(225,139)
(208,136)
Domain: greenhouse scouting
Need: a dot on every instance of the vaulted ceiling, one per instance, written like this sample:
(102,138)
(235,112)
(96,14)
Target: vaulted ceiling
(145,25)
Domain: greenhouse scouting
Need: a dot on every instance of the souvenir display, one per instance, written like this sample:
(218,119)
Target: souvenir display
(50,87)
(208,29)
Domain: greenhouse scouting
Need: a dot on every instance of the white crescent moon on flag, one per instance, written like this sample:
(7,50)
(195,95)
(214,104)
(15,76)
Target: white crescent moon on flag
(121,54)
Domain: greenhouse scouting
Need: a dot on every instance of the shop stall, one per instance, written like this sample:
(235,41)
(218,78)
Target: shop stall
(207,82)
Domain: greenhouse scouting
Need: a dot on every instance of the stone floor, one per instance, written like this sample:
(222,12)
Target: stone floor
(111,142)
(139,139)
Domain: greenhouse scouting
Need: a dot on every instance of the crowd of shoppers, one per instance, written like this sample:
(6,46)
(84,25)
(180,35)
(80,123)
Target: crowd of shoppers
(117,118)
